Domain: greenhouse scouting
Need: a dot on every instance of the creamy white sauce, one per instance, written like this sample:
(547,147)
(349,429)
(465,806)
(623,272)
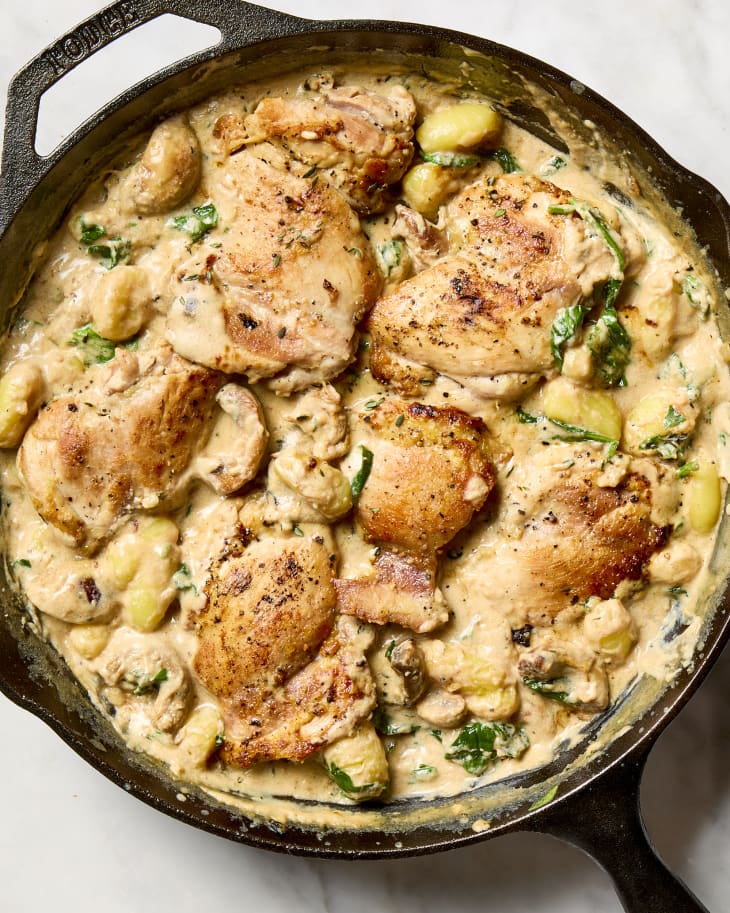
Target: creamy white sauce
(60,299)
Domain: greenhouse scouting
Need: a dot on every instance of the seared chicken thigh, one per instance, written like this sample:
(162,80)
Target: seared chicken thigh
(289,677)
(430,473)
(486,310)
(361,140)
(292,279)
(130,440)
(567,532)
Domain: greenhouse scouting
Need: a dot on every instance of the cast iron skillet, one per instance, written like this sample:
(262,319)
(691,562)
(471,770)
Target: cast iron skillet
(589,795)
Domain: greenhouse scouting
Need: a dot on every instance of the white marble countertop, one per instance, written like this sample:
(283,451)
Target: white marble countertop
(71,839)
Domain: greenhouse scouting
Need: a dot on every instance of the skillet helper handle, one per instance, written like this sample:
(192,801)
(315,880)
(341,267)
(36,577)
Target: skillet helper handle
(605,821)
(240,23)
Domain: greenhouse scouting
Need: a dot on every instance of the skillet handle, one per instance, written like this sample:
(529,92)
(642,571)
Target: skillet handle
(604,820)
(240,23)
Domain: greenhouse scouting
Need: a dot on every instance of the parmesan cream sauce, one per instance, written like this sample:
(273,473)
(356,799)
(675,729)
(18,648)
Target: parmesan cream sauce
(57,302)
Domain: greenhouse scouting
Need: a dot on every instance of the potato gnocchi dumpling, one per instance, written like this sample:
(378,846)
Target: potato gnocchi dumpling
(356,445)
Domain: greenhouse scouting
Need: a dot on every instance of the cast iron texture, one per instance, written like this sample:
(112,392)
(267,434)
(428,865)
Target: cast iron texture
(596,806)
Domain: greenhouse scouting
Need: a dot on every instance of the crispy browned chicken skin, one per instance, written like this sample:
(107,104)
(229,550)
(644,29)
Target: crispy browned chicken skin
(289,676)
(89,458)
(431,471)
(568,534)
(130,441)
(362,141)
(292,279)
(486,309)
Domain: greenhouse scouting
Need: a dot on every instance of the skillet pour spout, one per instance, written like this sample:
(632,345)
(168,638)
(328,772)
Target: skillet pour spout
(589,795)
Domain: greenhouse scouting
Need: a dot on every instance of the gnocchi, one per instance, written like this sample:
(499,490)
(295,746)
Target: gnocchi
(460,127)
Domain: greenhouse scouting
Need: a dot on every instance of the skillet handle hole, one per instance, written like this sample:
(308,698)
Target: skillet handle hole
(98,79)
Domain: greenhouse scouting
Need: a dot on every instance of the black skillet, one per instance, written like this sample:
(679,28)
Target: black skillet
(589,795)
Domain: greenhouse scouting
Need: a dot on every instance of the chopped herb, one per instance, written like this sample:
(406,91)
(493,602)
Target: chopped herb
(687,469)
(297,530)
(95,349)
(112,252)
(374,403)
(609,452)
(437,734)
(576,433)
(219,740)
(183,579)
(146,683)
(355,251)
(668,446)
(552,165)
(673,418)
(422,772)
(676,591)
(386,725)
(399,420)
(567,323)
(593,216)
(312,171)
(526,418)
(608,340)
(451,159)
(344,781)
(361,476)
(91,233)
(507,161)
(544,800)
(277,259)
(281,332)
(21,562)
(389,649)
(573,432)
(696,294)
(390,254)
(498,213)
(549,689)
(479,745)
(198,223)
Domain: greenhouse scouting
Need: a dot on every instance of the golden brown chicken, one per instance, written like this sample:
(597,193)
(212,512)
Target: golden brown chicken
(362,141)
(400,591)
(430,473)
(292,278)
(289,676)
(482,315)
(567,531)
(129,441)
